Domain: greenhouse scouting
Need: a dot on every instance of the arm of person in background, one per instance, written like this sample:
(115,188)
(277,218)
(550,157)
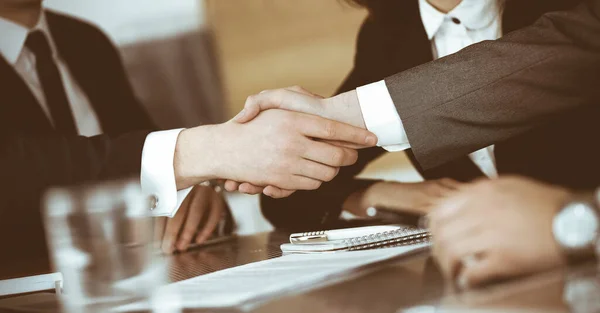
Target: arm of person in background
(503,226)
(412,198)
(521,81)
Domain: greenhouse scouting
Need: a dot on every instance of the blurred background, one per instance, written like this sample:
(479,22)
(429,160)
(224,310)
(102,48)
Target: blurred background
(194,62)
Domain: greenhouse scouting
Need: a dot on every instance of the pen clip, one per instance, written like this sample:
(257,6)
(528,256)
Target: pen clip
(308,237)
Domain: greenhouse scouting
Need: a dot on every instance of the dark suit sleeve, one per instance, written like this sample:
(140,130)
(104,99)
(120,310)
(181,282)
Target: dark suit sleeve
(315,209)
(496,90)
(31,164)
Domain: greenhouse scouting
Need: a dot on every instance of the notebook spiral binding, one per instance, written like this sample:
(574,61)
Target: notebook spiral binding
(387,239)
(392,245)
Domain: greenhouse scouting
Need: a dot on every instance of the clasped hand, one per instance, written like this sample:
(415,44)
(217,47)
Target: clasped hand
(344,109)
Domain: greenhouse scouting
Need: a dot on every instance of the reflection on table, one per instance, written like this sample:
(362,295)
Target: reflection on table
(412,285)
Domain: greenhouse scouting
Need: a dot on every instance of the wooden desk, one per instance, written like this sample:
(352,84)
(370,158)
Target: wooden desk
(408,285)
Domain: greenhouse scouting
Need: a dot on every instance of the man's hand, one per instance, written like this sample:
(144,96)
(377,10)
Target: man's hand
(275,149)
(195,221)
(496,229)
(416,198)
(343,108)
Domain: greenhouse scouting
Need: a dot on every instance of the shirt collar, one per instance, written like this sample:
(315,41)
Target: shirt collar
(14,36)
(473,14)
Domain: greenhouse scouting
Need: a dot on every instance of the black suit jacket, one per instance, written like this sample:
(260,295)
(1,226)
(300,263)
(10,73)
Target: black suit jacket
(393,39)
(33,156)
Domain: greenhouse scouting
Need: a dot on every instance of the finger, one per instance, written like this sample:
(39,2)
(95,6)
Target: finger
(231,185)
(317,127)
(277,193)
(159,229)
(197,207)
(485,269)
(343,144)
(315,170)
(450,254)
(277,99)
(174,224)
(329,155)
(216,212)
(441,255)
(250,189)
(297,182)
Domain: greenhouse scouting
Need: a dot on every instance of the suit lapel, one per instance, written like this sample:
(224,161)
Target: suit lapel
(408,40)
(20,112)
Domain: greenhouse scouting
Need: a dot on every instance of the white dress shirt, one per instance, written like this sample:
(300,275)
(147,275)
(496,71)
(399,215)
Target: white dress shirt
(157,176)
(470,22)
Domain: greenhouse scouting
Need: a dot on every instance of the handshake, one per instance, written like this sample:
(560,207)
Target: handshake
(282,141)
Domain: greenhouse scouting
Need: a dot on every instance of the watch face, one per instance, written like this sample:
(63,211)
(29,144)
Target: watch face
(576,226)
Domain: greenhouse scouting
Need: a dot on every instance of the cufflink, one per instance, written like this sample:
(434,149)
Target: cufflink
(153,202)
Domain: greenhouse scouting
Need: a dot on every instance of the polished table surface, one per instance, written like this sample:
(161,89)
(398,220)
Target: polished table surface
(411,284)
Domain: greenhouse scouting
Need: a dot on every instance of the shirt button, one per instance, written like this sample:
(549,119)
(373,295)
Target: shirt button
(153,202)
(455,20)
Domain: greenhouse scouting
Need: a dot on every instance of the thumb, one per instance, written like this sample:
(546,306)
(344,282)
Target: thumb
(254,104)
(268,99)
(246,114)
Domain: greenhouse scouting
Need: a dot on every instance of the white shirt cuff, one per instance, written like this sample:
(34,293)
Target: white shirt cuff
(158,175)
(381,116)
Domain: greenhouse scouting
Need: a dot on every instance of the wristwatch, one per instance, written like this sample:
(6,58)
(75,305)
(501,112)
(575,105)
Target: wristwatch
(576,228)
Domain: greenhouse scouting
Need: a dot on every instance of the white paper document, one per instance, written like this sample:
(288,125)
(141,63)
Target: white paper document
(260,281)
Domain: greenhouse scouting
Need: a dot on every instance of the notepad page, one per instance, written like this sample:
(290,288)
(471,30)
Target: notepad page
(264,280)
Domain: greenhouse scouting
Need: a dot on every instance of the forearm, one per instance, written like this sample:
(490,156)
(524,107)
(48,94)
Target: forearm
(345,108)
(196,158)
(382,194)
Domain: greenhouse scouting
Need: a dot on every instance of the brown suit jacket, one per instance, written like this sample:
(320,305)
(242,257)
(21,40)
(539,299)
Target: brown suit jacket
(496,90)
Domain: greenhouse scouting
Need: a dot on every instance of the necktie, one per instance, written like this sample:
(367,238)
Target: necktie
(52,85)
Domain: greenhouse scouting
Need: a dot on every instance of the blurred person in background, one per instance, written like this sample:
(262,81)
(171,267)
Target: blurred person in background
(491,230)
(399,35)
(526,87)
(68,116)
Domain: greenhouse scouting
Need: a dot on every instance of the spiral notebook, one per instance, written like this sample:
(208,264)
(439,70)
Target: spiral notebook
(352,239)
